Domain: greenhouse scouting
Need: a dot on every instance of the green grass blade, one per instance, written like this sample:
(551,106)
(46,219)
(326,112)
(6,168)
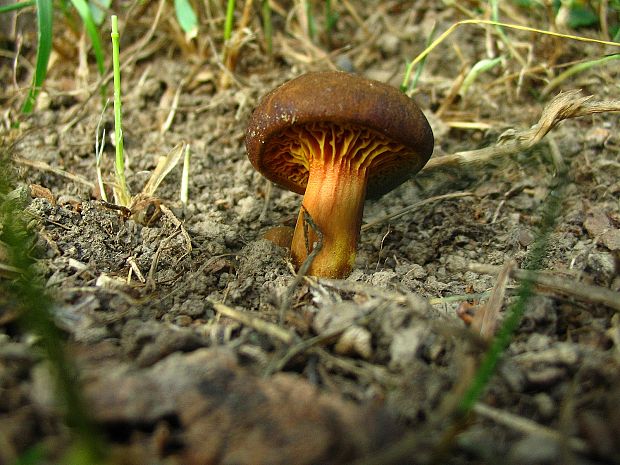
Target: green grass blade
(576,69)
(93,33)
(36,316)
(311,22)
(404,86)
(331,17)
(185,176)
(16,6)
(186,16)
(120,189)
(533,262)
(267,26)
(44,49)
(34,455)
(99,10)
(230,15)
(479,68)
(495,17)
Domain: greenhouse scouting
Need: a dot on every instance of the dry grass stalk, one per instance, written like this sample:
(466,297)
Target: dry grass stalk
(260,325)
(486,317)
(230,54)
(527,426)
(565,105)
(145,207)
(578,290)
(39,165)
(415,206)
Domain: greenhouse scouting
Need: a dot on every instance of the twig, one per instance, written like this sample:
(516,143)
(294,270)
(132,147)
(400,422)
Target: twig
(527,426)
(415,206)
(359,368)
(263,212)
(133,267)
(305,266)
(324,338)
(254,322)
(564,106)
(39,165)
(359,288)
(99,146)
(173,109)
(9,269)
(191,278)
(485,319)
(579,290)
(150,280)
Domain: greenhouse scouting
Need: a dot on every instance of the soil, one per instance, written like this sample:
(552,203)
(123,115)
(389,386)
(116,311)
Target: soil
(367,369)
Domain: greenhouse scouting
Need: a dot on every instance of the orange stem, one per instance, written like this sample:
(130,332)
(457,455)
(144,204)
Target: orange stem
(334,200)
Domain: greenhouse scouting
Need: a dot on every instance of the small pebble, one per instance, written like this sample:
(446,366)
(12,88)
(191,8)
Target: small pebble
(525,237)
(545,405)
(183,320)
(546,376)
(534,450)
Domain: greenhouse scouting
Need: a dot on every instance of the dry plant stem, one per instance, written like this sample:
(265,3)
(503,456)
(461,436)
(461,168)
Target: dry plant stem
(260,325)
(134,269)
(173,109)
(453,92)
(130,54)
(564,106)
(264,211)
(602,17)
(207,260)
(39,165)
(485,319)
(150,282)
(581,291)
(415,206)
(527,426)
(356,17)
(99,146)
(303,269)
(312,342)
(9,269)
(233,46)
(359,368)
(452,28)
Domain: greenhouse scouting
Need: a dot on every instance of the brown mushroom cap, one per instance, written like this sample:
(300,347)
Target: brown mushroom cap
(371,114)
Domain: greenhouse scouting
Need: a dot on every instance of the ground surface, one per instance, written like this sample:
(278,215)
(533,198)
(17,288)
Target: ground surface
(169,379)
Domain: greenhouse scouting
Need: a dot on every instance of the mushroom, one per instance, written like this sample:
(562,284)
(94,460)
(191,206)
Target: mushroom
(338,139)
